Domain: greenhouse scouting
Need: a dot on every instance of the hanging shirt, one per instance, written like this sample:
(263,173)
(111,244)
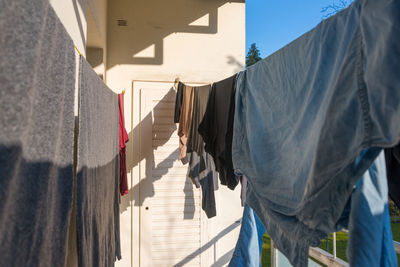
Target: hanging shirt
(304,114)
(123,139)
(185,121)
(201,164)
(178,102)
(200,98)
(216,128)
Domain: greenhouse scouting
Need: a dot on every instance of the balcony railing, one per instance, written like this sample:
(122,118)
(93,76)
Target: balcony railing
(321,255)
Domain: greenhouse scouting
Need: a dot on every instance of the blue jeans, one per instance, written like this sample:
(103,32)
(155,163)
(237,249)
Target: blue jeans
(370,240)
(249,245)
(304,114)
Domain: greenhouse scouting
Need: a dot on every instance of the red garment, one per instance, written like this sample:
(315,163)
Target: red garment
(123,139)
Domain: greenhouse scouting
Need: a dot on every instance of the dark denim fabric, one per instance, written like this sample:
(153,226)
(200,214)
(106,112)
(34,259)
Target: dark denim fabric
(304,114)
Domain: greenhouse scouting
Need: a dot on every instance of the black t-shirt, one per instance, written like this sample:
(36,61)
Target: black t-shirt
(178,102)
(216,129)
(200,99)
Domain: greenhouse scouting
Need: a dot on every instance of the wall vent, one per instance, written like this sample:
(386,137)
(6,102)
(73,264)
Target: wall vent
(122,22)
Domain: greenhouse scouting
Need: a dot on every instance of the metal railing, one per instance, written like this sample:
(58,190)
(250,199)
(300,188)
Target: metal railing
(331,259)
(326,258)
(323,256)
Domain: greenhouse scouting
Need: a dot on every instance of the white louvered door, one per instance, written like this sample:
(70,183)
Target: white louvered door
(170,212)
(169,226)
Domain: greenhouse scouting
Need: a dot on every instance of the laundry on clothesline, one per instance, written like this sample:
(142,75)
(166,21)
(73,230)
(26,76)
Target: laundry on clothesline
(216,128)
(43,144)
(304,114)
(97,172)
(301,118)
(123,139)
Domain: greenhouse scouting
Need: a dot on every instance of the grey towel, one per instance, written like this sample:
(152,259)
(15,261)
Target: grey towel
(98,169)
(37,82)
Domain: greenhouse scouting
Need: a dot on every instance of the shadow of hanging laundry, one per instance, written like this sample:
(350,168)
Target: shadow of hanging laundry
(161,120)
(210,244)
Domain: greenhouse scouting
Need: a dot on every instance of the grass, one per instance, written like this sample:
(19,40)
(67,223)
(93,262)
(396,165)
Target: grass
(341,244)
(266,251)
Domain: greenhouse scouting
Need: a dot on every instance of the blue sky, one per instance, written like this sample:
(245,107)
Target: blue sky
(271,24)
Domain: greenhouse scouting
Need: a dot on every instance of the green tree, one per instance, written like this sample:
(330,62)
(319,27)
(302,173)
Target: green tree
(253,55)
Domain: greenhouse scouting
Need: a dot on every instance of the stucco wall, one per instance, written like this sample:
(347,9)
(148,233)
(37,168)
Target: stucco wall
(162,40)
(96,49)
(195,40)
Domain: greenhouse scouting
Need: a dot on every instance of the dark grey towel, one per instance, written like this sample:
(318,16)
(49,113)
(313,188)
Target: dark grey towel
(98,166)
(37,83)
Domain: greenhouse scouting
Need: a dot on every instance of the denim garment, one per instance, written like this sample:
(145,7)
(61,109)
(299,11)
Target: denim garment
(248,247)
(305,113)
(370,236)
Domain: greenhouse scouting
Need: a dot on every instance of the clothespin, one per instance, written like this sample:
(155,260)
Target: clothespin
(176,82)
(76,48)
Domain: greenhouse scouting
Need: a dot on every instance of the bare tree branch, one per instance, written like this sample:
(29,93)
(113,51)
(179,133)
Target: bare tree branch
(335,7)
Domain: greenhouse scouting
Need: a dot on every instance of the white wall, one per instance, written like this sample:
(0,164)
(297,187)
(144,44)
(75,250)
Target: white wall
(195,40)
(162,40)
(97,35)
(72,15)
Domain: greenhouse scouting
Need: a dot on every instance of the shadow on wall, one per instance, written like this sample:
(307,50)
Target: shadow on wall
(82,5)
(233,61)
(94,56)
(153,172)
(212,243)
(137,25)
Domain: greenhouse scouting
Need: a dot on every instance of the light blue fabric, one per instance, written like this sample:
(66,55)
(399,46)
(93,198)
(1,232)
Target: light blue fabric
(304,114)
(249,245)
(370,240)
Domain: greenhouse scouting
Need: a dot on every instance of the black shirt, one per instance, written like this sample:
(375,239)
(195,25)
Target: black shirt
(178,102)
(216,129)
